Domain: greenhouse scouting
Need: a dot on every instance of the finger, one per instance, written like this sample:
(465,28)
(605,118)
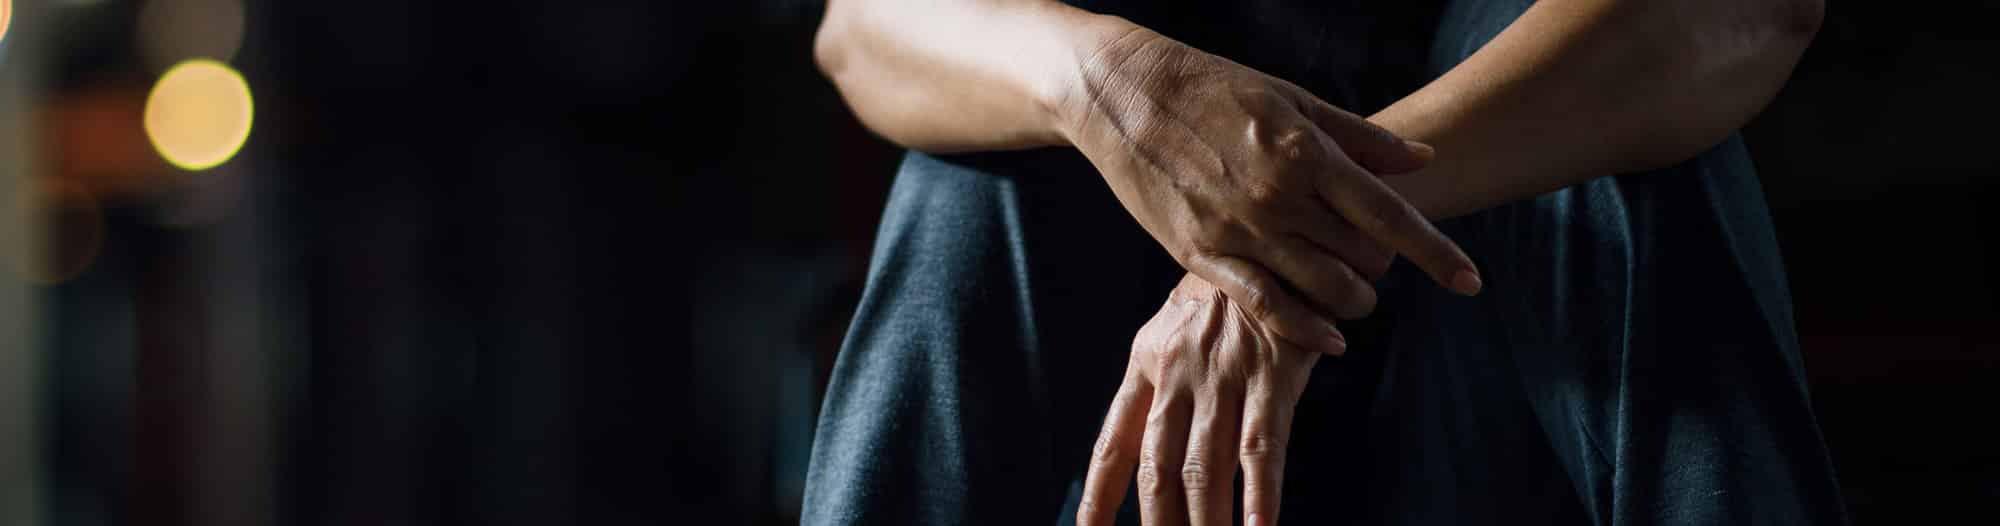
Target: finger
(1116,453)
(1332,286)
(1209,473)
(1162,502)
(1382,215)
(1346,242)
(1267,422)
(1259,293)
(1375,148)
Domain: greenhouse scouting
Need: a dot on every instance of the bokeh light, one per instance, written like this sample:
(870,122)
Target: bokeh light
(6,17)
(199,114)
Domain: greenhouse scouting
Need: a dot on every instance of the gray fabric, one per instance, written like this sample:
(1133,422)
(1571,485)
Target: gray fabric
(1632,360)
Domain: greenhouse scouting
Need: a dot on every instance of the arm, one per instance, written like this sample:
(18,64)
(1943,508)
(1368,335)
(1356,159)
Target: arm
(1247,180)
(953,76)
(1573,90)
(1579,89)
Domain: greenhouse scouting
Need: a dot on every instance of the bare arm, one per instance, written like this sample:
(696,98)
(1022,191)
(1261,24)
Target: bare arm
(1573,90)
(1580,89)
(1245,179)
(966,75)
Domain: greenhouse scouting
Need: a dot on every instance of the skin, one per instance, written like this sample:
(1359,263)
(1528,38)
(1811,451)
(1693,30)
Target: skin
(1207,389)
(1247,180)
(1205,155)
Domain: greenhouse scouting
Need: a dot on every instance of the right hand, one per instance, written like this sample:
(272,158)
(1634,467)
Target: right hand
(1253,184)
(1206,390)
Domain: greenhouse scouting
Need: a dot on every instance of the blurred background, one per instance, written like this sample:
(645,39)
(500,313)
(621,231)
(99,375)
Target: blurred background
(532,262)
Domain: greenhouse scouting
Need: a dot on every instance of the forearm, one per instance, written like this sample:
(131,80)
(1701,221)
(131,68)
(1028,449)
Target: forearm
(1579,89)
(964,75)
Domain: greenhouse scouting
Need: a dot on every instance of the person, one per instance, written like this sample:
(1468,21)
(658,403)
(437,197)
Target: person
(1545,247)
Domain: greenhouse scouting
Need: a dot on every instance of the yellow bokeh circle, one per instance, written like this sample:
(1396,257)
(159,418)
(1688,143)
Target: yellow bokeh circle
(199,114)
(6,17)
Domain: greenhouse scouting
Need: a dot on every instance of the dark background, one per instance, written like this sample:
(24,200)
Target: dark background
(522,262)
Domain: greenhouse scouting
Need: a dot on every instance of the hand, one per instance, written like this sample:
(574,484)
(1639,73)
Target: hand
(1253,184)
(1206,389)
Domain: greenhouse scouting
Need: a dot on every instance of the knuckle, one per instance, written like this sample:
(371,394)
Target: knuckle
(1234,350)
(1261,358)
(1157,351)
(1360,301)
(1149,481)
(1105,452)
(1263,193)
(1383,212)
(1145,341)
(1149,337)
(1293,143)
(1259,447)
(1194,476)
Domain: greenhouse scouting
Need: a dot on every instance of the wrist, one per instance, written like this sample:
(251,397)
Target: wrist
(1090,43)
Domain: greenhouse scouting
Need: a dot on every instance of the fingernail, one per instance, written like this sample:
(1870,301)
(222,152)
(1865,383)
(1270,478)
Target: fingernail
(1467,282)
(1421,149)
(1336,341)
(1255,520)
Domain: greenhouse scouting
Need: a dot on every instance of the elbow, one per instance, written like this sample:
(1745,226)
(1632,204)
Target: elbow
(1798,19)
(1771,27)
(1737,32)
(830,42)
(1729,76)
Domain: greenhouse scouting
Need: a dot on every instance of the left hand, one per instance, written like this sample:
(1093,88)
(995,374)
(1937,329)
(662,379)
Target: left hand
(1207,389)
(1254,184)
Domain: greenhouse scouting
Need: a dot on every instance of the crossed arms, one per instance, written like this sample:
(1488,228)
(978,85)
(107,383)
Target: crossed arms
(1282,207)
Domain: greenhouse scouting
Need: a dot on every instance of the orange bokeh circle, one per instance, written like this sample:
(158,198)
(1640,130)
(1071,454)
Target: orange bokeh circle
(6,17)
